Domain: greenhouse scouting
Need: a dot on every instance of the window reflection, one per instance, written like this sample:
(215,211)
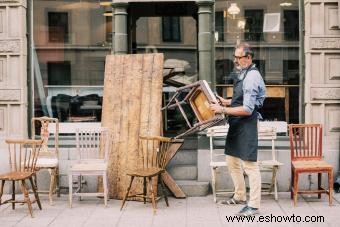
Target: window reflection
(276,46)
(71,40)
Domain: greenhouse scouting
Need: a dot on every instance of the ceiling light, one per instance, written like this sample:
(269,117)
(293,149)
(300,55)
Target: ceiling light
(233,9)
(285,4)
(105,3)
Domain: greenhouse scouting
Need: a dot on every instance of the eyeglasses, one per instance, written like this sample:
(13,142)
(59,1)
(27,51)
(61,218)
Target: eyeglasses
(239,57)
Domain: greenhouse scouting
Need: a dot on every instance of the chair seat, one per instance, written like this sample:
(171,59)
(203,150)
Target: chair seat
(218,164)
(269,163)
(89,167)
(43,162)
(311,165)
(15,175)
(148,172)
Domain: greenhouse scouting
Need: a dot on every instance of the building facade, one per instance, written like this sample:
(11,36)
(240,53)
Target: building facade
(52,56)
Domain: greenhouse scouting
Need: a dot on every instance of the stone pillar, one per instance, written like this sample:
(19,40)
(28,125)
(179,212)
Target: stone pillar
(205,40)
(322,73)
(120,38)
(13,74)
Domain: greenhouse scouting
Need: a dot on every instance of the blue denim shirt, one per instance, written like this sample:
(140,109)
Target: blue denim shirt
(254,90)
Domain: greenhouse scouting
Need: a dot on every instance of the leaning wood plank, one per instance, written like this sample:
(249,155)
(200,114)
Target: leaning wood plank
(171,184)
(129,110)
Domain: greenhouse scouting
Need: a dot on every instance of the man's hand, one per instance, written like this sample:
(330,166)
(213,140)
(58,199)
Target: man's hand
(216,108)
(223,101)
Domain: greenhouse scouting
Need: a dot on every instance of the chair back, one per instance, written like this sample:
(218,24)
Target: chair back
(23,154)
(41,130)
(305,141)
(92,144)
(153,151)
(217,135)
(266,133)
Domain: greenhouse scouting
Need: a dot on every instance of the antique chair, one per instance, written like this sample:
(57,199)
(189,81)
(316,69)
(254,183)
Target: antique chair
(151,164)
(93,147)
(23,156)
(48,156)
(217,135)
(306,157)
(199,96)
(269,165)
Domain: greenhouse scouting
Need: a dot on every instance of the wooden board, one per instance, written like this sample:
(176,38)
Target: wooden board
(131,107)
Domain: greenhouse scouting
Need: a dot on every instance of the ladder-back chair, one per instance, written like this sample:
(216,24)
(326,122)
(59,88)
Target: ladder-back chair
(270,165)
(217,134)
(306,157)
(152,159)
(93,147)
(49,154)
(217,157)
(23,156)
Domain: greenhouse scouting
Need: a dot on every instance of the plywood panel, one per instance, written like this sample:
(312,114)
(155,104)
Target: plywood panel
(131,107)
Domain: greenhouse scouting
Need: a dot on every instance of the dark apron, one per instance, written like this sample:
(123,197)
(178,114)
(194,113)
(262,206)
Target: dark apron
(242,138)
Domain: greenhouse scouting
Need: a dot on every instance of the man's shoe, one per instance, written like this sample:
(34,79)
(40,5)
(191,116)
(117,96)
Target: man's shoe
(248,211)
(232,201)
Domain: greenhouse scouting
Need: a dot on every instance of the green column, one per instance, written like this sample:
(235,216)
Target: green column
(120,25)
(205,41)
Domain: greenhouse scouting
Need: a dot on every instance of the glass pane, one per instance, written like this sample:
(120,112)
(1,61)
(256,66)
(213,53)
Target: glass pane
(272,29)
(71,40)
(153,34)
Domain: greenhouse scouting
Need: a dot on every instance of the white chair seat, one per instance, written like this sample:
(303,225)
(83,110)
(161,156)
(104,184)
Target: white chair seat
(89,167)
(218,164)
(47,162)
(270,163)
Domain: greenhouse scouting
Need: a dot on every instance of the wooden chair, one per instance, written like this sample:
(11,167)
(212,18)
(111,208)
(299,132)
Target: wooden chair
(23,156)
(49,154)
(217,135)
(306,157)
(270,165)
(151,164)
(93,147)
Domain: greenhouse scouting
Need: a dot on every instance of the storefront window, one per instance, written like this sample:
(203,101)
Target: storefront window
(164,35)
(71,40)
(272,29)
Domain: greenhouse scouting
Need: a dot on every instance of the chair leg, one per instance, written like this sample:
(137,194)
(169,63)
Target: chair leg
(319,185)
(213,182)
(34,188)
(13,194)
(330,186)
(160,178)
(52,184)
(295,184)
(57,181)
(2,189)
(274,181)
(144,189)
(127,192)
(24,190)
(70,188)
(291,183)
(105,188)
(152,195)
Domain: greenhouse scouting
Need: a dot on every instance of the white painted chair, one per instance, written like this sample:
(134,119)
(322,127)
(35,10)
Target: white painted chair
(93,146)
(48,156)
(218,134)
(270,165)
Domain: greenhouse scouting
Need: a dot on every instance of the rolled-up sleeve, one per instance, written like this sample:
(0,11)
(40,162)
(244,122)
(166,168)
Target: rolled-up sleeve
(254,91)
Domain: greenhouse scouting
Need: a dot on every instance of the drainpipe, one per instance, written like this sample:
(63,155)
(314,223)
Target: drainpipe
(302,61)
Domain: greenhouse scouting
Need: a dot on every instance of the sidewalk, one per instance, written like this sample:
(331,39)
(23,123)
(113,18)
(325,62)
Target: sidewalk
(192,211)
